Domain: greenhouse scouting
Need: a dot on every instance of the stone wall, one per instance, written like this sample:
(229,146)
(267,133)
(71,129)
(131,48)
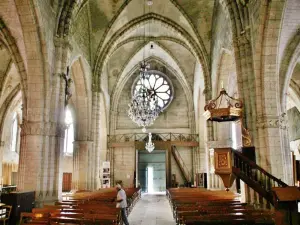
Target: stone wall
(186,155)
(124,165)
(175,116)
(67,164)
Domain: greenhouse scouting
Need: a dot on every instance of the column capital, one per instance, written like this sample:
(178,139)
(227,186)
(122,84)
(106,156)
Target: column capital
(272,121)
(43,128)
(62,43)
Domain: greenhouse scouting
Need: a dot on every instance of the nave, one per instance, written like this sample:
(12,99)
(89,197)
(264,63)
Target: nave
(187,93)
(152,210)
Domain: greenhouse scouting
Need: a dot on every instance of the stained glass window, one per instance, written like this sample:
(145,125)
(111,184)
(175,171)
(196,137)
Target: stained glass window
(159,85)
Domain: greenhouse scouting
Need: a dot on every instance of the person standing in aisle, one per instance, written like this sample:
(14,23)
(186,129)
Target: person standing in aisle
(122,202)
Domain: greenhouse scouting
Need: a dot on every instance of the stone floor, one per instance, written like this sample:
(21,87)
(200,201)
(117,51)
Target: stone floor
(152,210)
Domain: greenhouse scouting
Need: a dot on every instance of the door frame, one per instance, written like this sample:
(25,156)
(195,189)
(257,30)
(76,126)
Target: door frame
(167,165)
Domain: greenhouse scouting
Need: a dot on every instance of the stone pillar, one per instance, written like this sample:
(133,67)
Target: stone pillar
(40,160)
(83,164)
(96,137)
(274,151)
(1,156)
(99,134)
(208,137)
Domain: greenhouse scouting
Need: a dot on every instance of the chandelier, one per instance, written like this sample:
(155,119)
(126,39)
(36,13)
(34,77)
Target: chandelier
(144,108)
(150,145)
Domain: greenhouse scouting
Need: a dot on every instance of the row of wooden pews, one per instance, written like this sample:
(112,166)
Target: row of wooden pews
(86,208)
(195,206)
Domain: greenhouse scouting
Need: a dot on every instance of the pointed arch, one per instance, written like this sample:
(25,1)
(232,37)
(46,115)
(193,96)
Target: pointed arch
(81,99)
(103,55)
(10,44)
(289,61)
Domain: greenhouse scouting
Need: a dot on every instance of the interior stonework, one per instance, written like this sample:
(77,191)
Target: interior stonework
(251,48)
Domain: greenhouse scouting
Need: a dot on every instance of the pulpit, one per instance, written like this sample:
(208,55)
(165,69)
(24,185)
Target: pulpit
(226,109)
(222,163)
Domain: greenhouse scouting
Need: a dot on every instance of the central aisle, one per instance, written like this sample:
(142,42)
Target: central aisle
(152,210)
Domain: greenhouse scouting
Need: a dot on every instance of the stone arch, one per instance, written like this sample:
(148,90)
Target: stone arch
(5,106)
(81,100)
(152,39)
(102,57)
(116,95)
(10,43)
(289,61)
(9,160)
(64,19)
(226,67)
(238,13)
(225,76)
(132,65)
(294,97)
(132,60)
(110,28)
(37,60)
(5,77)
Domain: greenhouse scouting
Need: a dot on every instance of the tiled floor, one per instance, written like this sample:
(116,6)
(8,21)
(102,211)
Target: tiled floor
(152,210)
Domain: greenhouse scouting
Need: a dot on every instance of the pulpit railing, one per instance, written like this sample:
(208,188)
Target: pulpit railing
(256,177)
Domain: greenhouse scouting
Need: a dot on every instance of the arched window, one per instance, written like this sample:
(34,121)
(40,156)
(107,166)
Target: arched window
(14,133)
(69,133)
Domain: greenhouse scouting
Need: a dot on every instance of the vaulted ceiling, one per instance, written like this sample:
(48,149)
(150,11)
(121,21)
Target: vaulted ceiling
(112,34)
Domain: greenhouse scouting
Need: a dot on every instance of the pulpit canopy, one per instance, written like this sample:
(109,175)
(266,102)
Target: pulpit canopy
(224,108)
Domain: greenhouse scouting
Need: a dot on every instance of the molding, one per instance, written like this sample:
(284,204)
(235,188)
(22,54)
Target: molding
(272,122)
(220,144)
(43,129)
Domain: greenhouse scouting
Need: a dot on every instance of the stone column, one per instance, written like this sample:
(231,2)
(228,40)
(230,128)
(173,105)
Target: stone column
(1,156)
(274,151)
(205,161)
(96,137)
(40,161)
(99,134)
(83,164)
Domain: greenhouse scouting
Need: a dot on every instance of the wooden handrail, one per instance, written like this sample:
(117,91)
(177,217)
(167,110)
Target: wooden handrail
(255,177)
(255,166)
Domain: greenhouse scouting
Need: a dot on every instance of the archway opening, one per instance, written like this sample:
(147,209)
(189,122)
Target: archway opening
(68,151)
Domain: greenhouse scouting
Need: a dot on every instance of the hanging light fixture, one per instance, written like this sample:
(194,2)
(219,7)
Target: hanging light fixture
(144,108)
(149,2)
(150,145)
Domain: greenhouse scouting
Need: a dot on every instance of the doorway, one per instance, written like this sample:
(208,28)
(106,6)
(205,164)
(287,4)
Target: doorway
(151,171)
(67,182)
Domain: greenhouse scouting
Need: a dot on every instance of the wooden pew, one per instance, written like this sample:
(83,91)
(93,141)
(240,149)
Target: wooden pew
(83,208)
(193,206)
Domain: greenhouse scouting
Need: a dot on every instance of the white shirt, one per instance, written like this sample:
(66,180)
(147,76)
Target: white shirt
(122,195)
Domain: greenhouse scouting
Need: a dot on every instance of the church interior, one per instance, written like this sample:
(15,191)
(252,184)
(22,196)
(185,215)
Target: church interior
(192,105)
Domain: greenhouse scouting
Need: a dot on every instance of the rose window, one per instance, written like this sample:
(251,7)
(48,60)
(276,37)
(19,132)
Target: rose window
(158,84)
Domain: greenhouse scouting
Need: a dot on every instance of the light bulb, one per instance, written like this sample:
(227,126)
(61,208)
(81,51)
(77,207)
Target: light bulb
(149,2)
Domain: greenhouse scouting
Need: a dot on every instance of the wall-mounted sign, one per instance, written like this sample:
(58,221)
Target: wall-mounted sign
(106,174)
